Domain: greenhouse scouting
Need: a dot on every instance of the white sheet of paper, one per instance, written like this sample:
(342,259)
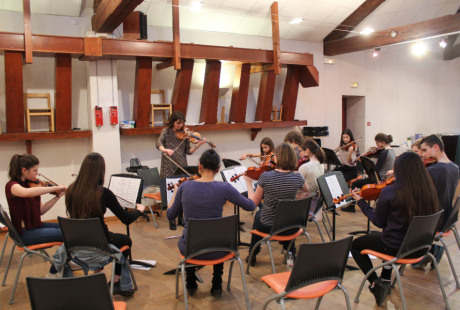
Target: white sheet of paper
(240,183)
(139,267)
(170,193)
(335,189)
(5,208)
(126,188)
(370,256)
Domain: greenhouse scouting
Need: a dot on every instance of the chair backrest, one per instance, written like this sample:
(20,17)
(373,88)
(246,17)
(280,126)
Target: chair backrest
(5,220)
(151,177)
(37,95)
(291,214)
(318,200)
(230,162)
(453,216)
(90,292)
(160,92)
(209,235)
(420,234)
(369,167)
(84,234)
(317,262)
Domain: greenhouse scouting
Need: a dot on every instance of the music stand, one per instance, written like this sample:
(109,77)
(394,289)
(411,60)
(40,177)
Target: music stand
(327,198)
(138,200)
(331,158)
(230,162)
(236,210)
(189,169)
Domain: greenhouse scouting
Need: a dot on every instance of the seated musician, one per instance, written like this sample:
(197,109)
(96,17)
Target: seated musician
(88,198)
(275,185)
(266,148)
(204,198)
(26,207)
(347,156)
(294,138)
(412,194)
(313,169)
(385,161)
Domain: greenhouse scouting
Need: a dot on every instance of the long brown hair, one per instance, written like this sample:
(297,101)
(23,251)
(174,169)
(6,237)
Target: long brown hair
(315,149)
(175,116)
(415,191)
(269,142)
(18,162)
(83,197)
(286,159)
(381,137)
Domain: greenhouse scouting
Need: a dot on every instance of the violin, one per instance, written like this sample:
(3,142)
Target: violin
(429,162)
(302,161)
(370,191)
(184,179)
(373,152)
(253,172)
(347,145)
(194,137)
(39,183)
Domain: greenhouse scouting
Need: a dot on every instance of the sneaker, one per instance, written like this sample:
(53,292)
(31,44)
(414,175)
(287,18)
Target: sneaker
(74,266)
(438,252)
(118,291)
(350,208)
(53,276)
(421,264)
(380,290)
(253,260)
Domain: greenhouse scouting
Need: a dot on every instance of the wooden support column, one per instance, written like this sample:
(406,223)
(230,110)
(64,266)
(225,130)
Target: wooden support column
(27,32)
(14,92)
(142,92)
(265,99)
(210,98)
(63,91)
(309,76)
(176,35)
(240,93)
(29,146)
(109,14)
(182,85)
(291,90)
(276,38)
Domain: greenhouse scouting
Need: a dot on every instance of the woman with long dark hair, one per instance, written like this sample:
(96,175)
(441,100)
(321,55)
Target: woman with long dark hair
(88,198)
(313,169)
(347,156)
(412,194)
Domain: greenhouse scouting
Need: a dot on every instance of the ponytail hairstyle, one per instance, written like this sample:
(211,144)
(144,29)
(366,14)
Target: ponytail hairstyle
(210,160)
(381,137)
(346,132)
(18,162)
(83,198)
(315,149)
(269,142)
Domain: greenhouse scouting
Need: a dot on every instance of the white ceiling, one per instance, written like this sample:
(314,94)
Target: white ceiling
(251,17)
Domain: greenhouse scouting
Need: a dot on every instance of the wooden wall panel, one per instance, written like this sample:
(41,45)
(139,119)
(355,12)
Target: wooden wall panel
(63,92)
(309,76)
(142,92)
(131,26)
(265,99)
(27,32)
(176,35)
(14,90)
(240,93)
(182,85)
(210,98)
(291,90)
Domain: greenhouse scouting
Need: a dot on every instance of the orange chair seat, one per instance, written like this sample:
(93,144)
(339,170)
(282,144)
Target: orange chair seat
(124,248)
(356,179)
(405,261)
(278,238)
(446,234)
(119,305)
(3,229)
(156,196)
(278,282)
(203,262)
(41,246)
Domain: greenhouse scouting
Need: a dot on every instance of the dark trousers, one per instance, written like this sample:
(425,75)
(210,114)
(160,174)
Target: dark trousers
(374,242)
(216,276)
(120,240)
(349,172)
(266,229)
(360,183)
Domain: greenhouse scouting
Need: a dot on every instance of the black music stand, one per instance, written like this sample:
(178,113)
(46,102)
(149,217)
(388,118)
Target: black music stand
(327,198)
(331,159)
(236,210)
(138,200)
(189,169)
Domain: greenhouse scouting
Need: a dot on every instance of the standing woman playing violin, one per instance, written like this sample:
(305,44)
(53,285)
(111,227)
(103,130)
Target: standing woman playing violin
(176,149)
(266,148)
(25,203)
(384,164)
(347,156)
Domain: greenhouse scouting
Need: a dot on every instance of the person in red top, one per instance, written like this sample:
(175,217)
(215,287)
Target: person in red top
(25,203)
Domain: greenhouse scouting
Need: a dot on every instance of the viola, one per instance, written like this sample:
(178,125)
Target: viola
(184,179)
(370,191)
(373,152)
(302,161)
(347,145)
(429,162)
(192,136)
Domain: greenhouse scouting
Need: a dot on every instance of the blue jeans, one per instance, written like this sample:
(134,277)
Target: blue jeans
(49,232)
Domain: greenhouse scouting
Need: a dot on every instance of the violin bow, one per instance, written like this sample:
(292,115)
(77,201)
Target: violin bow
(48,179)
(125,200)
(167,156)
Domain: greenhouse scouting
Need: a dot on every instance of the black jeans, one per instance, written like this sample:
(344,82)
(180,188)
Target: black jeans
(266,229)
(120,240)
(216,276)
(374,242)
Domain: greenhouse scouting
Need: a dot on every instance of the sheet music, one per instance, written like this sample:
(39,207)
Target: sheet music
(126,188)
(335,189)
(7,210)
(170,193)
(240,185)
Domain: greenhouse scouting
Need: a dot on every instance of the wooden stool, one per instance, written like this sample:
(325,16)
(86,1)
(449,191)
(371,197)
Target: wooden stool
(163,107)
(39,112)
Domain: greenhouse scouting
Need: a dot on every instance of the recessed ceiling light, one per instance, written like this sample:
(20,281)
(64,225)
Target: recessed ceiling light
(376,52)
(443,43)
(367,31)
(196,6)
(419,49)
(296,20)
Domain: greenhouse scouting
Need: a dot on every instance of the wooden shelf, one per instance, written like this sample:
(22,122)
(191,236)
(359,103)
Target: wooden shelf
(255,127)
(29,136)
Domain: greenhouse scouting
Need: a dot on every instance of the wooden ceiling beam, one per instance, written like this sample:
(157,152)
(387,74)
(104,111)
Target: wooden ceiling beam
(109,14)
(276,37)
(176,35)
(353,20)
(165,64)
(412,32)
(27,32)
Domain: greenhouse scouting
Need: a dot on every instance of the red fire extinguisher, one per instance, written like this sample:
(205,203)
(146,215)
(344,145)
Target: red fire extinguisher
(99,119)
(113,115)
